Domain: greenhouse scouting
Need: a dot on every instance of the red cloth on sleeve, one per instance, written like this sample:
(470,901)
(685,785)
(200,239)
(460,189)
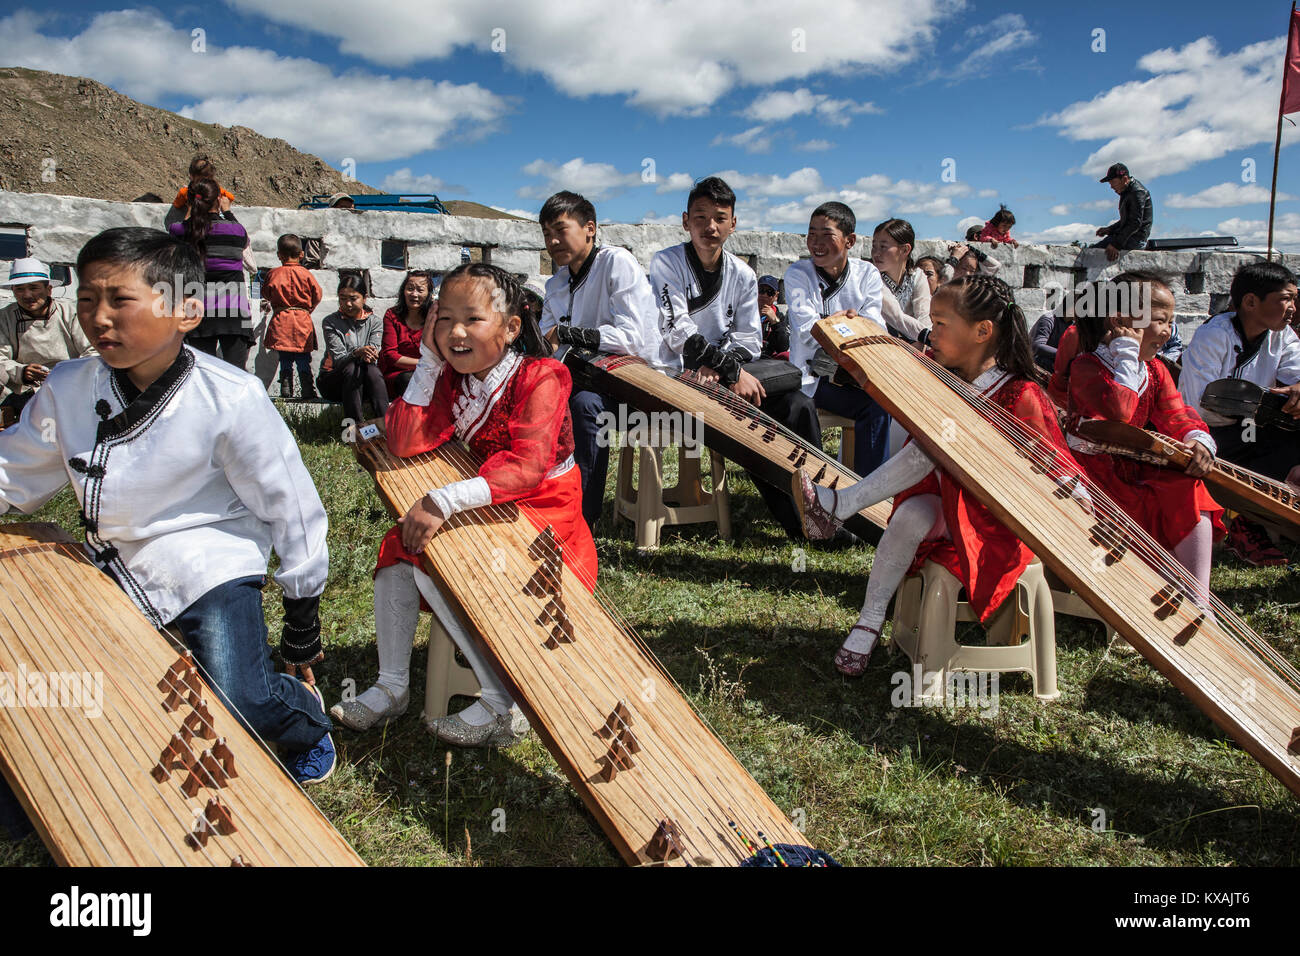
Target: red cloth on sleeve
(980,551)
(1066,350)
(399,341)
(526,435)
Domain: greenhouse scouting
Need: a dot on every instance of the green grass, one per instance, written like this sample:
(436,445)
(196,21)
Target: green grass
(750,641)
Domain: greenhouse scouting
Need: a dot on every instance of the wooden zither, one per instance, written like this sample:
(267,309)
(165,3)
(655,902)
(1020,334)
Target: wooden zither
(1205,650)
(118,750)
(1231,485)
(730,424)
(658,781)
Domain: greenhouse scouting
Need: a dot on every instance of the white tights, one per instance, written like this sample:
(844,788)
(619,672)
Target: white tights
(1193,552)
(917,519)
(398,589)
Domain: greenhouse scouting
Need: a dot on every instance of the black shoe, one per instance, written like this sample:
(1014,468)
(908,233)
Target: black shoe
(286,388)
(309,392)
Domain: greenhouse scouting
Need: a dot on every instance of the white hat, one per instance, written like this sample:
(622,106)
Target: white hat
(29,270)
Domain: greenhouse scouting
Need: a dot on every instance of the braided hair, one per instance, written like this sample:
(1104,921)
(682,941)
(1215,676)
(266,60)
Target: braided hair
(985,298)
(530,340)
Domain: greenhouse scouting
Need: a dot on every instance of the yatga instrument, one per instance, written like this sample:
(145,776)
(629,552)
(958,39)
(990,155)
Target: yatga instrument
(1233,487)
(730,425)
(113,741)
(657,779)
(1200,645)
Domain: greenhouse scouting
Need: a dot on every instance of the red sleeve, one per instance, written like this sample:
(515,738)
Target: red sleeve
(1066,350)
(415,429)
(1094,393)
(388,353)
(1169,413)
(1035,410)
(534,429)
(316,293)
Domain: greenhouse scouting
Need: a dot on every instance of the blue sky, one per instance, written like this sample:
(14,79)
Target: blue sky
(871,102)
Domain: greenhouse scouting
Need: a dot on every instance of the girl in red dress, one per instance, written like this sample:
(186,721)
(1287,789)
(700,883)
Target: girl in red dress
(1117,377)
(980,335)
(482,378)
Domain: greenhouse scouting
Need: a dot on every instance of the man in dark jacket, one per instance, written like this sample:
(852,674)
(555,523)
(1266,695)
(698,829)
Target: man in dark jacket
(1134,225)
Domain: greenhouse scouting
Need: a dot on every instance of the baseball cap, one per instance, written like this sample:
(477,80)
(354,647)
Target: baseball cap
(770,281)
(1117,169)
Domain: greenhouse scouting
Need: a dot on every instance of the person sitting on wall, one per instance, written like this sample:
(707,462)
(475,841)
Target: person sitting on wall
(37,331)
(1133,227)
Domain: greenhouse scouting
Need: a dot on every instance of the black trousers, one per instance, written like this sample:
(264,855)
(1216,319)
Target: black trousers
(353,384)
(234,348)
(1273,453)
(795,411)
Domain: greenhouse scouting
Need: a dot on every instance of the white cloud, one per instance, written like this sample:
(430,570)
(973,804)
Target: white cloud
(1061,209)
(1224,194)
(675,182)
(596,181)
(652,218)
(781,105)
(521,213)
(987,193)
(1112,203)
(814,146)
(806,180)
(1198,105)
(668,56)
(1254,232)
(750,140)
(298,99)
(989,45)
(964,224)
(1063,235)
(404,181)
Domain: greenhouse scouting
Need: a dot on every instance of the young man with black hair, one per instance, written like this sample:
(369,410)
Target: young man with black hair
(187,477)
(833,281)
(599,299)
(708,314)
(1254,342)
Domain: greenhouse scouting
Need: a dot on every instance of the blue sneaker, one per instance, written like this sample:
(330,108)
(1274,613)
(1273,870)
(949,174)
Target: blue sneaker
(316,764)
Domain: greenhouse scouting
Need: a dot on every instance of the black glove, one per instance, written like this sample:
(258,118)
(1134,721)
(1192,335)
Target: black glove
(822,364)
(583,338)
(300,639)
(697,351)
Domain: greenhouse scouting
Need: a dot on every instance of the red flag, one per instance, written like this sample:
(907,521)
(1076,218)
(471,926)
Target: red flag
(1291,74)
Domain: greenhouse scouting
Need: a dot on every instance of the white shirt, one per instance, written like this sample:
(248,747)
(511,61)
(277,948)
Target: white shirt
(610,293)
(1212,355)
(811,297)
(183,487)
(727,317)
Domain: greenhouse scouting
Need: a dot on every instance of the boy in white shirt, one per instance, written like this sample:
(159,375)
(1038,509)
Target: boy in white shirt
(187,477)
(708,314)
(599,299)
(1256,343)
(831,282)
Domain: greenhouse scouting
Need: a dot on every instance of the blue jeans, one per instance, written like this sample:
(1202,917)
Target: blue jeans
(589,453)
(871,423)
(227,633)
(289,359)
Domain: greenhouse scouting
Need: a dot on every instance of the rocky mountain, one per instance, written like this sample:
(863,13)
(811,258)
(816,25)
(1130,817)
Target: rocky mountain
(69,135)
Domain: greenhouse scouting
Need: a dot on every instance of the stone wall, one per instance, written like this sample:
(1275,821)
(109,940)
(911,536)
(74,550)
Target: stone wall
(57,226)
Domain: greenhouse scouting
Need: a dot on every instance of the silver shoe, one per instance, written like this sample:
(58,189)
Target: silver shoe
(357,716)
(499,732)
